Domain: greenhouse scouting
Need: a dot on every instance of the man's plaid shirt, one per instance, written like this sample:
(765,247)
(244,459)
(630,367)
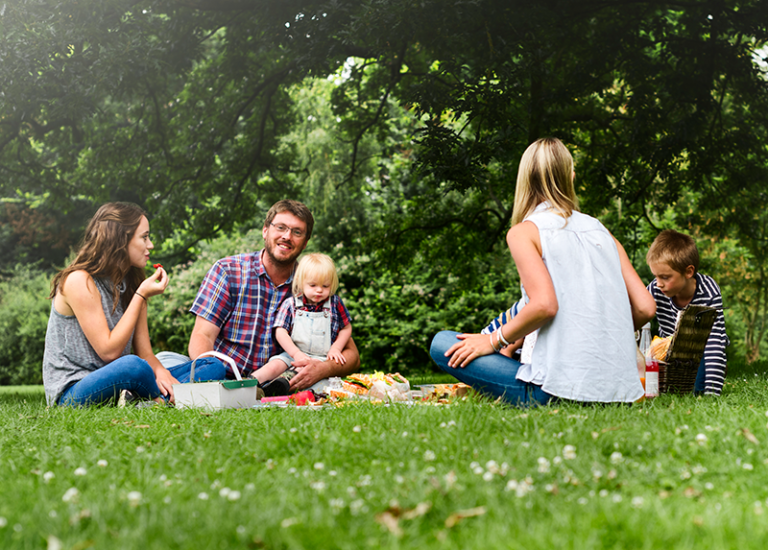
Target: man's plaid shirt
(238,296)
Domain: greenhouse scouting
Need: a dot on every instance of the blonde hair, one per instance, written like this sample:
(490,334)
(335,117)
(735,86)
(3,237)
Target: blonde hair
(318,267)
(545,174)
(675,249)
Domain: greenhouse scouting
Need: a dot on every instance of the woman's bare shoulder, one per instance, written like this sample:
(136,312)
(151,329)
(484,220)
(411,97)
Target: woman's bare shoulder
(78,281)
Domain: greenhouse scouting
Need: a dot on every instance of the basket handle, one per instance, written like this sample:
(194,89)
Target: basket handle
(217,355)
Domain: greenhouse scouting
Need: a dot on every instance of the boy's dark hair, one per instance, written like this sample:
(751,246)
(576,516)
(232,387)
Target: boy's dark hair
(675,249)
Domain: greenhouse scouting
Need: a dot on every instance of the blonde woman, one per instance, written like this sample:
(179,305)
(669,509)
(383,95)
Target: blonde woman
(583,301)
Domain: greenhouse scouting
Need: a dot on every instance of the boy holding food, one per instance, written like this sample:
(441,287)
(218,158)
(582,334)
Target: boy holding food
(674,262)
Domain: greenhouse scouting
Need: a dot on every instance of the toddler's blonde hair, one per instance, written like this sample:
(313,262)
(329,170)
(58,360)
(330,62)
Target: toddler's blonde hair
(318,267)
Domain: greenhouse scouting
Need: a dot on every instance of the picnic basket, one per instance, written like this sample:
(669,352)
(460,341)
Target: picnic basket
(219,394)
(677,372)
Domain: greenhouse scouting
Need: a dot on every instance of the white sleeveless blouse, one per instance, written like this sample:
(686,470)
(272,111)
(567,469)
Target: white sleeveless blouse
(587,351)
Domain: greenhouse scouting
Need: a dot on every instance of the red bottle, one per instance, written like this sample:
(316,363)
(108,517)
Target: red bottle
(651,378)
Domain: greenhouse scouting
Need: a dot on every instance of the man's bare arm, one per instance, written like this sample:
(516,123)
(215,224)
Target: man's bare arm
(203,337)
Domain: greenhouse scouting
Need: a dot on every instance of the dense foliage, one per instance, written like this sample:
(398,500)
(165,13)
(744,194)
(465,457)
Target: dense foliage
(399,123)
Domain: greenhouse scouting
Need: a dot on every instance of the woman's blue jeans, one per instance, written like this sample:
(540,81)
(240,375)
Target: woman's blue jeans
(133,373)
(493,375)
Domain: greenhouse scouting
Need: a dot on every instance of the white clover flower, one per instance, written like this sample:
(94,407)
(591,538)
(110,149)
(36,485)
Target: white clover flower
(569,452)
(293,430)
(48,476)
(582,500)
(612,474)
(163,477)
(134,498)
(487,476)
(549,487)
(319,466)
(429,456)
(543,465)
(685,474)
(71,495)
(511,485)
(318,485)
(603,493)
(557,460)
(292,471)
(287,522)
(250,486)
(450,423)
(429,470)
(3,522)
(240,529)
(747,466)
(709,485)
(492,466)
(701,439)
(102,463)
(81,471)
(167,500)
(140,449)
(616,457)
(399,479)
(637,502)
(203,496)
(336,503)
(597,475)
(357,429)
(478,470)
(616,498)
(233,496)
(224,492)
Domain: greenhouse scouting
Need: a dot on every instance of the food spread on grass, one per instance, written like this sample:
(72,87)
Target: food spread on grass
(375,388)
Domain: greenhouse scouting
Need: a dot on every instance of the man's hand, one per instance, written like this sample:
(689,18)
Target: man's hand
(308,372)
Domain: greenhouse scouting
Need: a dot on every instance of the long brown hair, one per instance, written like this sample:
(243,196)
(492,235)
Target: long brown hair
(104,250)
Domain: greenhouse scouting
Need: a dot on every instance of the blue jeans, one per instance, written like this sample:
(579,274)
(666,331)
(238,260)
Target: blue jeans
(133,373)
(701,378)
(494,374)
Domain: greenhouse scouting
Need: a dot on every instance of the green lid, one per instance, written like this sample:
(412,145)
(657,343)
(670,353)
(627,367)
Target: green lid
(235,384)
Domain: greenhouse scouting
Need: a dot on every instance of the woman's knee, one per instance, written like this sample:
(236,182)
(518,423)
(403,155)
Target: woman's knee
(441,343)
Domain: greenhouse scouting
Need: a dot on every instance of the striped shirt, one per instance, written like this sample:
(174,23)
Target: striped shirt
(707,293)
(238,296)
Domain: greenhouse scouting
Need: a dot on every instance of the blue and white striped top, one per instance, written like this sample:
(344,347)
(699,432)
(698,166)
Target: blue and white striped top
(707,293)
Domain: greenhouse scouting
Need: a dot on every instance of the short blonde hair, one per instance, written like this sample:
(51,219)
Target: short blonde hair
(319,267)
(675,249)
(545,174)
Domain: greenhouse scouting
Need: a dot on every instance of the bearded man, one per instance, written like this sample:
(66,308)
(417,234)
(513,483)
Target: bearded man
(241,295)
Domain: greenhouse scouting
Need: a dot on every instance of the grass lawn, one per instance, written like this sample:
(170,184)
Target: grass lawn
(673,473)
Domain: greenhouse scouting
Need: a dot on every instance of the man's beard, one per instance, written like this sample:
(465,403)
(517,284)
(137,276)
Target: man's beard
(278,261)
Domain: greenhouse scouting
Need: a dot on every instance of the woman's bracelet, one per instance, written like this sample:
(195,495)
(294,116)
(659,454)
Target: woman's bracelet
(140,296)
(490,337)
(501,337)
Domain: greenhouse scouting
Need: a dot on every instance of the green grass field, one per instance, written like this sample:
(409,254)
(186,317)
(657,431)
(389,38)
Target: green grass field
(674,473)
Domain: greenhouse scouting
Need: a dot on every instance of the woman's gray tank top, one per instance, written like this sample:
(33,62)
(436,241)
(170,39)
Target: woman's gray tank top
(69,357)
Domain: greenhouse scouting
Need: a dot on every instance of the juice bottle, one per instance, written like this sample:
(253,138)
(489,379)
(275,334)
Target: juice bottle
(651,378)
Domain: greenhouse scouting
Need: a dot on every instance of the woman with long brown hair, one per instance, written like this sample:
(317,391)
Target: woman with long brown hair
(99,315)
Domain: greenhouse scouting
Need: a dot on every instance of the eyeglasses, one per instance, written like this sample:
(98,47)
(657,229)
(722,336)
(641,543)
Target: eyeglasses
(281,229)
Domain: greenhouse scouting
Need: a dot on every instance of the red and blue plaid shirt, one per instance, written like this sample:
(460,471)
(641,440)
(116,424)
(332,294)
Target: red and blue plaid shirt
(238,296)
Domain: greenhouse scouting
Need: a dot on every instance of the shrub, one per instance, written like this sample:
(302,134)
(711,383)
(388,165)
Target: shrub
(24,311)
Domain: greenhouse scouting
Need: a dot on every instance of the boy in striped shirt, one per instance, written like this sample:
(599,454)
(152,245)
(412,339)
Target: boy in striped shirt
(674,262)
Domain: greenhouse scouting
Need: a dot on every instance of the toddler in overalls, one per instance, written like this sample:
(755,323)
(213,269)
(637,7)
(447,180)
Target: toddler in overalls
(313,324)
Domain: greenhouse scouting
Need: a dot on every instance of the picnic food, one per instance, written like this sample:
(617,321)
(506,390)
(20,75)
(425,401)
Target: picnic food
(157,266)
(660,347)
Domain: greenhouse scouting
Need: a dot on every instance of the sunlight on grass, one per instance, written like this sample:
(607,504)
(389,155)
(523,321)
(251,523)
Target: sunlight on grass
(677,472)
